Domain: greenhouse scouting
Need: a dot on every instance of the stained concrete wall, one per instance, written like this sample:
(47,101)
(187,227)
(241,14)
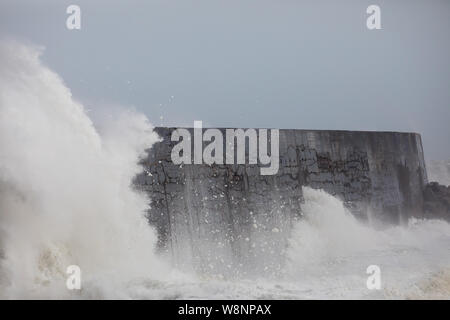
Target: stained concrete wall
(379,175)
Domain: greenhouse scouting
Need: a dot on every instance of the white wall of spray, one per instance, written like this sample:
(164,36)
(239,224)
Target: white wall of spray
(329,251)
(65,195)
(327,229)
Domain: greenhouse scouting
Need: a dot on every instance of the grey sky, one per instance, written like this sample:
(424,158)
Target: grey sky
(254,63)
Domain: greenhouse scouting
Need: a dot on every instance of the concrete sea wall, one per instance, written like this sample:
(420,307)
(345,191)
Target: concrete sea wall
(379,175)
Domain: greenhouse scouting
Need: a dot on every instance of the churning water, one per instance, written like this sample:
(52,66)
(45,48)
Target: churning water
(66,199)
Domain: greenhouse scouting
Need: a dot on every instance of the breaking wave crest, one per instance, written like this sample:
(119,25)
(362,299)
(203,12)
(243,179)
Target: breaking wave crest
(329,252)
(65,195)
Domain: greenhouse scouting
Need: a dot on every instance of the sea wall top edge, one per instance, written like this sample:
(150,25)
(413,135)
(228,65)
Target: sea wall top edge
(301,130)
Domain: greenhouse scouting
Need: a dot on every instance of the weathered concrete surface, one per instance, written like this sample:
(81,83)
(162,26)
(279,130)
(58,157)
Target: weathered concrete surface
(232,207)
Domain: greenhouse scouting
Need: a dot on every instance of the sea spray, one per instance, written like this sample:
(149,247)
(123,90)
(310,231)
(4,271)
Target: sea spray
(65,198)
(439,171)
(65,191)
(329,251)
(327,230)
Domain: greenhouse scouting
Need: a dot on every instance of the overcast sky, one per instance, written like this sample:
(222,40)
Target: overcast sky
(254,63)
